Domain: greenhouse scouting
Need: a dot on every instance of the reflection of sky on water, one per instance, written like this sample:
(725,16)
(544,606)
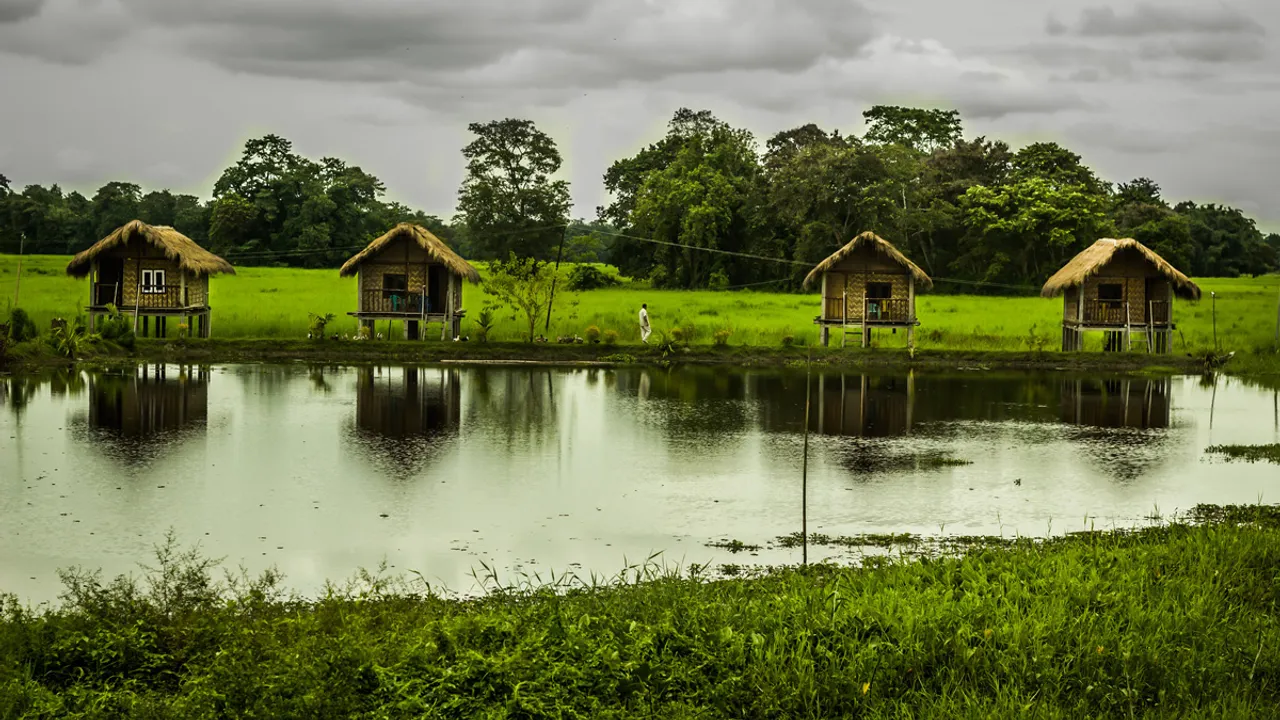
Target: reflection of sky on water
(320,470)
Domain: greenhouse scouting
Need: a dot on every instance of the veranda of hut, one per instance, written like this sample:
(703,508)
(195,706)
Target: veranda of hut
(1121,287)
(868,283)
(410,276)
(149,271)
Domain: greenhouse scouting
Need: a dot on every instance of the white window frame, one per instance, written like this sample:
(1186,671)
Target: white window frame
(153,282)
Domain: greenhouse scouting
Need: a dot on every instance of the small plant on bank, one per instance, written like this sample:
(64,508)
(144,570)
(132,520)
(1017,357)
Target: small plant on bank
(677,336)
(1036,342)
(788,340)
(67,339)
(721,337)
(318,323)
(592,334)
(718,281)
(610,337)
(484,321)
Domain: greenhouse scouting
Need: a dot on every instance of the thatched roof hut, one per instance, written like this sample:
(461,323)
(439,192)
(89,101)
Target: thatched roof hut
(177,247)
(882,247)
(434,247)
(1098,255)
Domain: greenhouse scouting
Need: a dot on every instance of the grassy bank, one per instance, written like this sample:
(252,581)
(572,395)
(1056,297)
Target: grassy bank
(273,303)
(1175,621)
(40,354)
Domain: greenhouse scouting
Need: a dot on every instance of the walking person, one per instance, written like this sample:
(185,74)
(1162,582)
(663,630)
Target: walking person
(644,323)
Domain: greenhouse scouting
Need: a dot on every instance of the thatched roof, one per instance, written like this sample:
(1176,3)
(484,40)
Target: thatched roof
(432,245)
(176,246)
(1095,257)
(880,245)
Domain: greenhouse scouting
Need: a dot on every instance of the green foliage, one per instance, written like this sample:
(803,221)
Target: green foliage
(592,334)
(719,280)
(317,325)
(589,277)
(508,200)
(924,131)
(21,327)
(523,284)
(116,328)
(788,340)
(1249,453)
(485,321)
(1169,621)
(721,337)
(610,337)
(66,338)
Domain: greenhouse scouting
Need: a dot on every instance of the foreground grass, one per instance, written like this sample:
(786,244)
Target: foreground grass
(1174,621)
(274,303)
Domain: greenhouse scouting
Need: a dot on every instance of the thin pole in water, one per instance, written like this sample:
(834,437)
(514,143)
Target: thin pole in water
(1277,343)
(804,467)
(1214,297)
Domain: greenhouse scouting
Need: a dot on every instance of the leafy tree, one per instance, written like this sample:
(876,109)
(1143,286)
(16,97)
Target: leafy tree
(523,284)
(158,208)
(1056,164)
(1227,243)
(508,200)
(699,201)
(232,223)
(921,130)
(115,204)
(1020,233)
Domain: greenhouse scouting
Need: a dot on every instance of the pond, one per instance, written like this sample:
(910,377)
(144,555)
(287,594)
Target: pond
(319,471)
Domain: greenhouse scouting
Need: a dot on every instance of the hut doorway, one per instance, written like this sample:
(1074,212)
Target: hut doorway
(437,288)
(106,290)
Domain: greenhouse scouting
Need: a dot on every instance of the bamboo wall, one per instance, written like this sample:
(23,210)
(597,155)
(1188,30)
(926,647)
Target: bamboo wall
(852,275)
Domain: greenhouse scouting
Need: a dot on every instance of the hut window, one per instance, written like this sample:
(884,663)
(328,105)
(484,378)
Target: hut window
(398,283)
(879,291)
(152,281)
(1111,292)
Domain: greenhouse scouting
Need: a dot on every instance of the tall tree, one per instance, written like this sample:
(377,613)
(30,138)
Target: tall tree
(115,204)
(922,130)
(508,200)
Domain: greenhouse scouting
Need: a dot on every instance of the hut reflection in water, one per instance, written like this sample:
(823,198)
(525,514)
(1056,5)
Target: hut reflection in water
(1117,403)
(865,405)
(149,400)
(403,415)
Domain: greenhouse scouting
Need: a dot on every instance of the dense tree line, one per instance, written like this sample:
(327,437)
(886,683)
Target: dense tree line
(700,207)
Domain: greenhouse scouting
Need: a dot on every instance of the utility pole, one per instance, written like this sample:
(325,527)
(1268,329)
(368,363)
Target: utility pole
(554,277)
(17,285)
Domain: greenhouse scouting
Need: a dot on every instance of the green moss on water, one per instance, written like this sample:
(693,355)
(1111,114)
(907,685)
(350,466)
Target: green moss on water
(1248,453)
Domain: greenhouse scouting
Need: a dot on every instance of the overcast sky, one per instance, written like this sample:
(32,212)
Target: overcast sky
(165,92)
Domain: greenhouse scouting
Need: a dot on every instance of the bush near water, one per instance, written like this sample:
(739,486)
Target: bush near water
(1174,621)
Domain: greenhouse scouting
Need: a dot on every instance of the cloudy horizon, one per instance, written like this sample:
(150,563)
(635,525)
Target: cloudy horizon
(164,93)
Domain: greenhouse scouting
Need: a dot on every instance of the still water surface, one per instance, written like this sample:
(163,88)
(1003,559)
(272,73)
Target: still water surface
(321,470)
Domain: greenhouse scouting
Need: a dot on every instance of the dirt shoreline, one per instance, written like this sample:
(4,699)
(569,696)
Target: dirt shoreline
(586,355)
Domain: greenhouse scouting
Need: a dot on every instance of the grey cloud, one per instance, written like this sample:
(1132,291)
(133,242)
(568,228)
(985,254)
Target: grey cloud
(13,11)
(69,32)
(1148,19)
(1212,49)
(499,45)
(1054,26)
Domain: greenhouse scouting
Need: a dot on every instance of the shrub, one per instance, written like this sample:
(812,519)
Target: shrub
(21,327)
(66,339)
(677,335)
(116,328)
(658,278)
(484,322)
(588,277)
(610,337)
(788,340)
(719,281)
(318,323)
(592,334)
(721,337)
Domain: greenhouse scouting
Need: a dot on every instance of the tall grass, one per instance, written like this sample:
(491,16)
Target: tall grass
(275,302)
(1172,621)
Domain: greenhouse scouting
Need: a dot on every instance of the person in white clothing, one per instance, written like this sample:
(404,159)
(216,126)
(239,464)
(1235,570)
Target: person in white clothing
(644,323)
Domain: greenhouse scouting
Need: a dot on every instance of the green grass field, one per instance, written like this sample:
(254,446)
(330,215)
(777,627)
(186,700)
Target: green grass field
(1175,621)
(274,303)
